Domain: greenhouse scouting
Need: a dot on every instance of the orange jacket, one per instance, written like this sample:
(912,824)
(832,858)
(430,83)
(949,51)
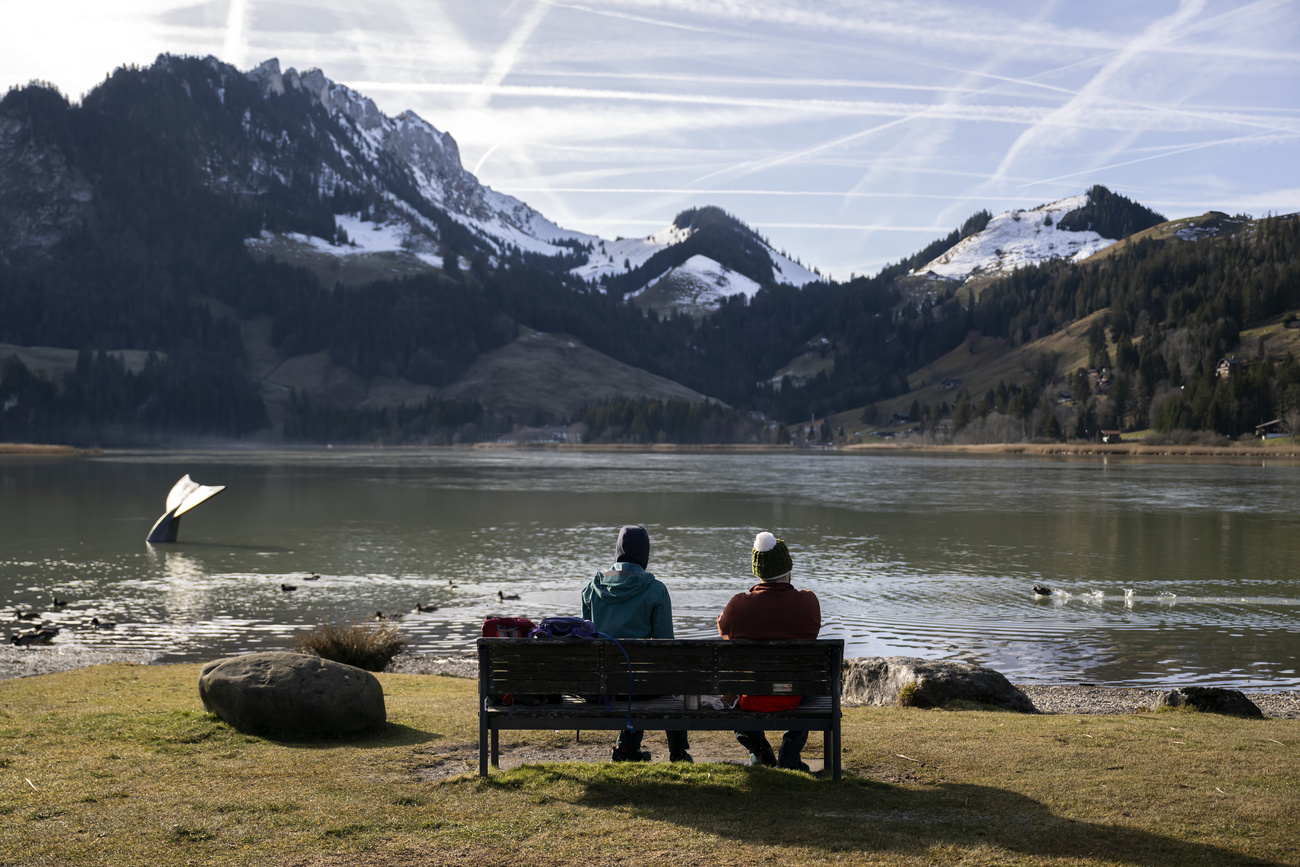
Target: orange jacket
(766,612)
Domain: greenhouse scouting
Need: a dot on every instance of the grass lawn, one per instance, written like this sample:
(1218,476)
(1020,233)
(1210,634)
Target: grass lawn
(120,765)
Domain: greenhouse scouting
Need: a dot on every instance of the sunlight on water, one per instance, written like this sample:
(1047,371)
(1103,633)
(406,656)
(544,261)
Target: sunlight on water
(1159,572)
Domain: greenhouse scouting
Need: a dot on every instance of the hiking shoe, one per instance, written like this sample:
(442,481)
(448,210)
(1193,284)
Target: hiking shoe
(617,755)
(681,756)
(766,758)
(796,766)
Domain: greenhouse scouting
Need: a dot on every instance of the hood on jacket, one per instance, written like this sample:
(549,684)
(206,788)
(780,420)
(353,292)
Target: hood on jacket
(633,546)
(621,582)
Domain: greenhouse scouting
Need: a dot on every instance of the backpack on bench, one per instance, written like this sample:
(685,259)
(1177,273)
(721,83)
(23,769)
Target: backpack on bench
(565,629)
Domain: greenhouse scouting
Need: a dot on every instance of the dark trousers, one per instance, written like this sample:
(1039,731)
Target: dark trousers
(789,755)
(630,740)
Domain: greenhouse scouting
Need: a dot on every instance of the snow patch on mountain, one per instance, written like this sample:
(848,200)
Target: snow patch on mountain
(695,288)
(715,281)
(611,258)
(365,237)
(786,270)
(1014,240)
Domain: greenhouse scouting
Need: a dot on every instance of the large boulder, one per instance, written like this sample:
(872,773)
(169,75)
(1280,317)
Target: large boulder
(905,680)
(292,694)
(1209,699)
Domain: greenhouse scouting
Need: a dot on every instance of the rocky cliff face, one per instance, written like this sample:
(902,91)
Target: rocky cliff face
(426,158)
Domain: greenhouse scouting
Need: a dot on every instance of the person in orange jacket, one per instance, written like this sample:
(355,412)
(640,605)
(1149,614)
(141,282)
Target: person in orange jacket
(773,608)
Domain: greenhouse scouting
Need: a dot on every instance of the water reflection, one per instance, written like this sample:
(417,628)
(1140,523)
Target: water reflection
(1159,572)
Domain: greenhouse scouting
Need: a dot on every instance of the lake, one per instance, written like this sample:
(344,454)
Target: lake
(1163,572)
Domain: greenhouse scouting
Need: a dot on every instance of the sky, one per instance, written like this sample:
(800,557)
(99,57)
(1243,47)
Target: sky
(849,134)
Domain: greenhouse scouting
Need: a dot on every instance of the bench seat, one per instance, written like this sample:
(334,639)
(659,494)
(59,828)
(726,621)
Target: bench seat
(653,667)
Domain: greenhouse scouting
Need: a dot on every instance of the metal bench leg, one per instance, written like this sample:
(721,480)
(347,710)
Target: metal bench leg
(496,749)
(837,750)
(482,746)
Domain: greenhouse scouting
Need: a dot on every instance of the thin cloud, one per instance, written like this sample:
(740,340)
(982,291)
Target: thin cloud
(1164,153)
(926,26)
(760,224)
(801,155)
(1083,103)
(232,50)
(696,191)
(505,58)
(1098,113)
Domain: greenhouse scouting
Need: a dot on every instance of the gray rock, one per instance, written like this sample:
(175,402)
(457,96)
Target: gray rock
(1209,699)
(880,680)
(292,694)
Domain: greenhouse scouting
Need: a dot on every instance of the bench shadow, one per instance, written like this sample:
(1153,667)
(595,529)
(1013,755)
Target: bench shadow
(855,815)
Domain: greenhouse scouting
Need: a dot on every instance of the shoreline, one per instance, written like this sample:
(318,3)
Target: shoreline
(45,450)
(1082,699)
(1134,449)
(1232,453)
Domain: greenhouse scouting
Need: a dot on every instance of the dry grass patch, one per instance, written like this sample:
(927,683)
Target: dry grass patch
(369,645)
(127,769)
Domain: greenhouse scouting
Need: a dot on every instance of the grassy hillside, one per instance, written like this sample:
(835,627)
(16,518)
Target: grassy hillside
(555,373)
(1211,224)
(355,269)
(982,364)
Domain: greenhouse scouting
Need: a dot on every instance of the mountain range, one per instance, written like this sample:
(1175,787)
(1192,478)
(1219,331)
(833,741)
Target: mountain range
(195,250)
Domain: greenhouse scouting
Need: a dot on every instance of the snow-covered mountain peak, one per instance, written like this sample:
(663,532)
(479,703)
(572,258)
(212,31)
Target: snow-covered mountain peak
(408,136)
(428,157)
(409,171)
(1016,239)
(694,288)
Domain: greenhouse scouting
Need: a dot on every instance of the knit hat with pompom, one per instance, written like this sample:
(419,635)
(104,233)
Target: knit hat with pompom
(771,558)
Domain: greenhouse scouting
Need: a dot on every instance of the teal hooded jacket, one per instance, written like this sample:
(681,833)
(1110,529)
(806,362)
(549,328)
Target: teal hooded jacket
(628,602)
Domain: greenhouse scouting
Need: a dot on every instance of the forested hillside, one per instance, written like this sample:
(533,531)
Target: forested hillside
(1169,312)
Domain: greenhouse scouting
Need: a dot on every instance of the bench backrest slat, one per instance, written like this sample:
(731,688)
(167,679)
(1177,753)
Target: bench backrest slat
(660,667)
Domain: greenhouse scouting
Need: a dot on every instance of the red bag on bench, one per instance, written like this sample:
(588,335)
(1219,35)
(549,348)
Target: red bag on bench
(509,627)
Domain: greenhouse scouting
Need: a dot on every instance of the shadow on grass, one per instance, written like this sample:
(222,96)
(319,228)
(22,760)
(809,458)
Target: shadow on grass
(391,735)
(765,807)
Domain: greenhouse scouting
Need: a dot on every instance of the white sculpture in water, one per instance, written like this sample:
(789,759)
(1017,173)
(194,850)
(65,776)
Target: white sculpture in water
(185,495)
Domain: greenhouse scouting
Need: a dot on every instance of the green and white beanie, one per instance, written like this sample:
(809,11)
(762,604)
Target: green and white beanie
(771,557)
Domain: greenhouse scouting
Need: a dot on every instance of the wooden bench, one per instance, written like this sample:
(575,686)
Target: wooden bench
(665,668)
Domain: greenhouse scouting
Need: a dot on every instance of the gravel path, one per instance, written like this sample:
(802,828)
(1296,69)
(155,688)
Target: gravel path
(25,662)
(1109,700)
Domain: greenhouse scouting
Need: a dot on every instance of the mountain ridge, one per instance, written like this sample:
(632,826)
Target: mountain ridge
(182,202)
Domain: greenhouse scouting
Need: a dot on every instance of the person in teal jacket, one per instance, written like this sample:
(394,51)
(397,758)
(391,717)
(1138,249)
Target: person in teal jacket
(629,602)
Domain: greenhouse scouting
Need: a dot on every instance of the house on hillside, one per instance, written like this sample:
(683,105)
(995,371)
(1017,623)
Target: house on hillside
(1110,437)
(952,382)
(1269,429)
(1227,366)
(547,434)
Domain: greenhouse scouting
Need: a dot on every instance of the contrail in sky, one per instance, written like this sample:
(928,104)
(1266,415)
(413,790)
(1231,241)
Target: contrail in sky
(509,52)
(233,48)
(1157,35)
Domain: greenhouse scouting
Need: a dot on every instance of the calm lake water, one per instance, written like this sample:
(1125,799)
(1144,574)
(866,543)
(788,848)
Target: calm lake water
(1163,572)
